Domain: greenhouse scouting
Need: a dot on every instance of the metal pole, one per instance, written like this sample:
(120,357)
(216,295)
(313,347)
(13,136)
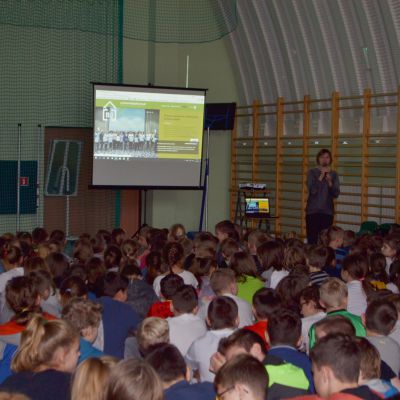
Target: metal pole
(39,152)
(207,178)
(19,177)
(67,209)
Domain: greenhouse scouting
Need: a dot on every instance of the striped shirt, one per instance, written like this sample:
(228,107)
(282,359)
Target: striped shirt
(317,278)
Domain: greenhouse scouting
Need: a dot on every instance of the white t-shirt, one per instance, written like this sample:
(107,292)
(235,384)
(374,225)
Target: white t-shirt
(357,299)
(276,277)
(245,311)
(184,330)
(307,323)
(200,352)
(187,276)
(392,287)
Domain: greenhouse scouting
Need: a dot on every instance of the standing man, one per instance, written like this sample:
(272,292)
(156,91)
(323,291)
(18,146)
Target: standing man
(323,187)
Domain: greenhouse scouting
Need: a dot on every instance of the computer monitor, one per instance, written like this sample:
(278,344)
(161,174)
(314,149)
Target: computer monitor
(257,207)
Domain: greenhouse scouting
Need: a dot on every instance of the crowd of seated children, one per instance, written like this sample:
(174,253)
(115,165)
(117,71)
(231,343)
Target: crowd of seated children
(238,315)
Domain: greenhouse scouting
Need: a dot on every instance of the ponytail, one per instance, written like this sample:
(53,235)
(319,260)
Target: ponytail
(173,253)
(40,341)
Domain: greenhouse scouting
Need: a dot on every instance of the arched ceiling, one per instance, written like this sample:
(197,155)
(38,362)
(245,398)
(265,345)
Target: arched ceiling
(291,48)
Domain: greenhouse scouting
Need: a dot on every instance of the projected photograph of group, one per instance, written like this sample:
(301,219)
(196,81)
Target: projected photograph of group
(147,136)
(125,132)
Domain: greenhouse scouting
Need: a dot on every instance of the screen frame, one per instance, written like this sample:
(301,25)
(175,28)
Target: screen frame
(147,187)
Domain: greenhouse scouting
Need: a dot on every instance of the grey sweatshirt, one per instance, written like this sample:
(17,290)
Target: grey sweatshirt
(320,195)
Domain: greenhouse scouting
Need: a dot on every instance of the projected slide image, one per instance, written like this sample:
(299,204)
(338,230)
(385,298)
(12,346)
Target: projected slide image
(125,133)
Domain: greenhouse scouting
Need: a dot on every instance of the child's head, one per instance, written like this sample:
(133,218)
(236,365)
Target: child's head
(243,377)
(354,268)
(228,248)
(391,246)
(243,265)
(23,298)
(255,239)
(71,288)
(294,256)
(83,252)
(370,367)
(116,286)
(35,264)
(112,256)
(271,255)
(265,303)
(47,345)
(131,271)
(96,271)
(98,243)
(84,316)
(222,313)
(39,235)
(223,281)
(90,378)
(333,294)
(290,288)
(243,341)
(226,229)
(43,282)
(377,265)
(58,265)
(332,325)
(169,285)
(134,380)
(130,250)
(203,266)
(284,328)
(335,237)
(173,254)
(316,258)
(176,232)
(336,361)
(380,317)
(169,364)
(118,236)
(12,257)
(349,238)
(150,332)
(185,300)
(310,301)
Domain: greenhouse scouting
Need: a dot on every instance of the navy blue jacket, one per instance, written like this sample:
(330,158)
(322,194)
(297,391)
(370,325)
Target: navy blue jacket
(119,319)
(184,391)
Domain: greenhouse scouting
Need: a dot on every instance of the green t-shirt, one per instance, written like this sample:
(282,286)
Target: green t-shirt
(247,286)
(354,319)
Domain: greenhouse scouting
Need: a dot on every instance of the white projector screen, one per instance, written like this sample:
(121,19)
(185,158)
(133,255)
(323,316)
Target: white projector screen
(147,136)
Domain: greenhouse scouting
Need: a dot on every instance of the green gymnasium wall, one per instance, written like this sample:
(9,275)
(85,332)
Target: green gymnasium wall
(50,52)
(210,66)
